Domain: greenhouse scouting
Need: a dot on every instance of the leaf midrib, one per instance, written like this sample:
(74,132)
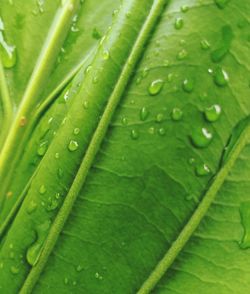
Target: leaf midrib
(97,138)
(177,246)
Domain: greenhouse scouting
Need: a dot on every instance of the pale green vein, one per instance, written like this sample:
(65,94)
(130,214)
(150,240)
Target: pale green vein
(52,45)
(94,145)
(177,246)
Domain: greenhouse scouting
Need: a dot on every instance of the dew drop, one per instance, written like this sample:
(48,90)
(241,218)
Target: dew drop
(178,23)
(201,137)
(105,54)
(213,113)
(85,104)
(66,281)
(32,206)
(79,268)
(57,155)
(188,85)
(96,34)
(184,8)
(220,77)
(144,113)
(76,131)
(134,134)
(161,131)
(124,121)
(159,117)
(155,87)
(42,148)
(73,146)
(14,269)
(177,114)
(52,203)
(60,173)
(182,54)
(34,251)
(205,45)
(202,170)
(42,189)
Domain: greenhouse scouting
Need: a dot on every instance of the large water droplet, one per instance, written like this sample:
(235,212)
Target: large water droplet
(73,146)
(213,113)
(220,77)
(34,251)
(201,137)
(155,87)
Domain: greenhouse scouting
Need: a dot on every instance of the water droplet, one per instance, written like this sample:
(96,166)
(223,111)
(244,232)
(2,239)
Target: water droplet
(85,104)
(202,170)
(32,206)
(60,173)
(221,3)
(134,134)
(7,52)
(245,221)
(191,161)
(42,189)
(176,114)
(53,203)
(76,131)
(42,148)
(73,145)
(213,113)
(205,45)
(14,269)
(182,54)
(124,121)
(161,131)
(79,268)
(98,276)
(74,283)
(96,34)
(66,281)
(227,36)
(105,54)
(34,251)
(184,8)
(178,23)
(188,85)
(155,87)
(201,137)
(220,77)
(151,130)
(144,113)
(159,117)
(57,155)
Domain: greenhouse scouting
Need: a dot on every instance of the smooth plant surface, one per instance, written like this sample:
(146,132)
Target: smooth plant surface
(125,146)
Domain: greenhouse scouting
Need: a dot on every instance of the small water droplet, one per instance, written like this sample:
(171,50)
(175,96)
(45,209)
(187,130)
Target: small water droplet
(60,173)
(205,45)
(85,104)
(73,145)
(202,170)
(57,155)
(124,121)
(96,34)
(159,117)
(191,161)
(201,137)
(76,131)
(184,8)
(188,85)
(220,77)
(134,134)
(151,130)
(66,281)
(42,148)
(144,113)
(105,54)
(182,54)
(79,268)
(155,87)
(32,206)
(14,269)
(42,189)
(213,113)
(178,23)
(177,114)
(161,131)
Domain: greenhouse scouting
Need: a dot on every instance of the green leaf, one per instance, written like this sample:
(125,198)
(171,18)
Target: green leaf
(130,168)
